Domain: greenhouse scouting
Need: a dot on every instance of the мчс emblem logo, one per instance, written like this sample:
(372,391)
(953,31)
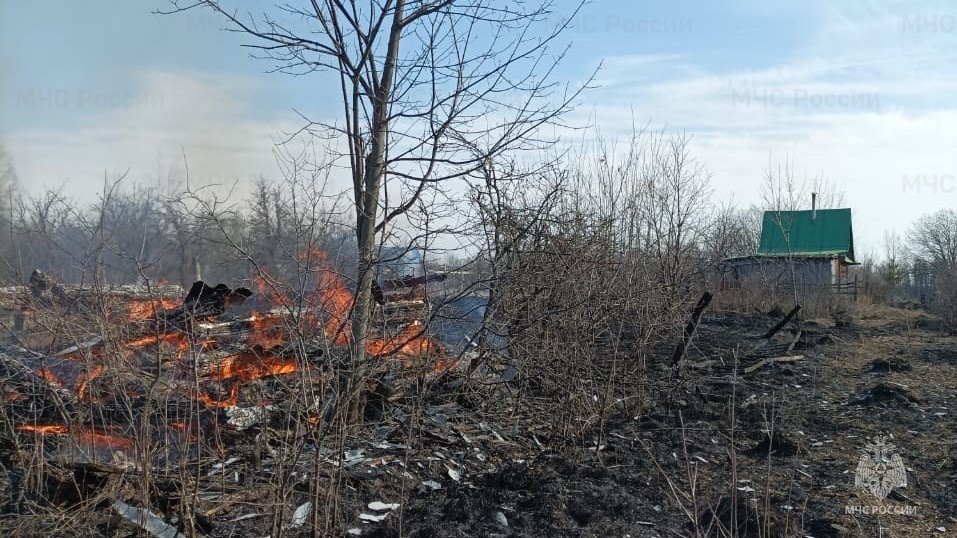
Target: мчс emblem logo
(879,469)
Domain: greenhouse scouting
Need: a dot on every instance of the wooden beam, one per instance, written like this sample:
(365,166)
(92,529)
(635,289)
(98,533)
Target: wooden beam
(774,330)
(764,362)
(691,327)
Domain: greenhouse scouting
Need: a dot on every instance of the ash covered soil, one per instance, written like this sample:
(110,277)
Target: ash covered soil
(725,448)
(679,468)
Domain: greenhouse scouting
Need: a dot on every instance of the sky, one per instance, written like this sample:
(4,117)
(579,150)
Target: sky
(859,92)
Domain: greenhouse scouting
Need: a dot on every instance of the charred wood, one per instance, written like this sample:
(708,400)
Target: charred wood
(399,283)
(202,302)
(690,328)
(780,325)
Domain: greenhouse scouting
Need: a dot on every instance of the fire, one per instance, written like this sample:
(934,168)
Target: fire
(80,381)
(330,308)
(87,435)
(267,331)
(104,440)
(83,381)
(269,290)
(249,366)
(12,395)
(209,401)
(45,428)
(409,343)
(335,300)
(312,257)
(141,309)
(47,375)
(178,340)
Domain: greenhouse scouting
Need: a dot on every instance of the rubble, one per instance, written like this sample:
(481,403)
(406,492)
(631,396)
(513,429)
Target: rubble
(215,363)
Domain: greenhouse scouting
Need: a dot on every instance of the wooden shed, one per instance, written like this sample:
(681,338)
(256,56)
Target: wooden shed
(809,249)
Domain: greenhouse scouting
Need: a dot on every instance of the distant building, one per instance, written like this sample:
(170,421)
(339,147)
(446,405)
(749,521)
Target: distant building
(810,249)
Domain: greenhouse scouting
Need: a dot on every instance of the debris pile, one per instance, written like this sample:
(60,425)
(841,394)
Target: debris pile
(217,381)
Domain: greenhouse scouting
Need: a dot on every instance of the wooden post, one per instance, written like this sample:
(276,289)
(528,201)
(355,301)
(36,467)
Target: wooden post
(691,327)
(774,330)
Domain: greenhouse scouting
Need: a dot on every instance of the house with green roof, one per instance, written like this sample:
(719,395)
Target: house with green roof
(812,233)
(809,249)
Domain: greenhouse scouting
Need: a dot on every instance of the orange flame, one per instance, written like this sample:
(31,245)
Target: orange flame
(83,434)
(44,428)
(91,437)
(249,366)
(47,375)
(313,256)
(332,302)
(409,343)
(270,291)
(268,331)
(230,401)
(141,309)
(12,395)
(209,401)
(83,381)
(335,300)
(176,339)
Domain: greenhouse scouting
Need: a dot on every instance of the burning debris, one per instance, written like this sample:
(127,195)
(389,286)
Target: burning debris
(174,379)
(226,336)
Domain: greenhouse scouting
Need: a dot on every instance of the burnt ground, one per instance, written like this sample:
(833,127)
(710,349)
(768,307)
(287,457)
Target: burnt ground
(786,468)
(721,451)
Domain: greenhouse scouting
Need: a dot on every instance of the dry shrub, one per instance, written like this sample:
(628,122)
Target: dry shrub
(944,302)
(761,295)
(580,319)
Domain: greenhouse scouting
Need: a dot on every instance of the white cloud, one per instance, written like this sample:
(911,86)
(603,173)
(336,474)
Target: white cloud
(866,100)
(863,102)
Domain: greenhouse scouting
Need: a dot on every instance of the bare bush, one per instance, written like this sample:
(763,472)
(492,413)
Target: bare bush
(594,273)
(933,240)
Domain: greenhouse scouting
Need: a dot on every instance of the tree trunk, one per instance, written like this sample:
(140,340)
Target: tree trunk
(367,204)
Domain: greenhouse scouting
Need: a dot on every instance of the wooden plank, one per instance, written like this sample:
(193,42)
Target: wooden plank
(794,342)
(774,330)
(764,362)
(691,327)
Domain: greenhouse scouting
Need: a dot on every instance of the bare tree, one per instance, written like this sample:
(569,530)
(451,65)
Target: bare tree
(678,189)
(894,268)
(934,238)
(783,192)
(9,192)
(933,251)
(731,231)
(421,82)
(654,193)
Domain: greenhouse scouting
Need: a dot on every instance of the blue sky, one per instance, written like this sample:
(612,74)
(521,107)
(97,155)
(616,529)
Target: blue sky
(861,92)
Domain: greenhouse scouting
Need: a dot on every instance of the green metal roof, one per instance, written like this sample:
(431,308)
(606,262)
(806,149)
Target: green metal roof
(796,233)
